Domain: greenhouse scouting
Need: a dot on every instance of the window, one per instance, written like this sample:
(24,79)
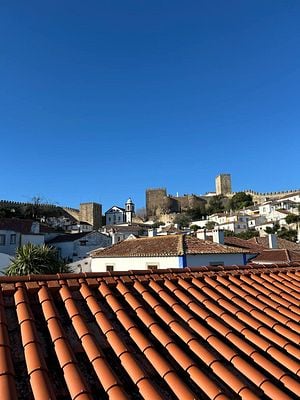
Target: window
(151,266)
(109,268)
(82,242)
(2,240)
(13,238)
(216,263)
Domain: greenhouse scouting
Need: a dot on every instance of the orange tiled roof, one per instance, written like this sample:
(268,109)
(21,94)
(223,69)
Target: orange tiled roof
(277,256)
(23,225)
(172,245)
(223,333)
(242,243)
(282,243)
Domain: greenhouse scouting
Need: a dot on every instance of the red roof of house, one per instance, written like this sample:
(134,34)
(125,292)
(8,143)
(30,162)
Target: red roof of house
(277,256)
(23,226)
(170,245)
(282,243)
(217,333)
(244,244)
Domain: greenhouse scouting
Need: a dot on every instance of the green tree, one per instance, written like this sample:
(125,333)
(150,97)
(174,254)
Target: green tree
(182,220)
(288,234)
(194,227)
(292,219)
(250,233)
(275,229)
(216,204)
(35,259)
(196,213)
(240,200)
(210,225)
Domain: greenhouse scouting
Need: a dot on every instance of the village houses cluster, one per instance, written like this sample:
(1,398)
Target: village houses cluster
(125,240)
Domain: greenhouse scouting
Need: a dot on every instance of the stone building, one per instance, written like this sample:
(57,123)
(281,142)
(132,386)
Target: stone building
(223,184)
(91,213)
(158,202)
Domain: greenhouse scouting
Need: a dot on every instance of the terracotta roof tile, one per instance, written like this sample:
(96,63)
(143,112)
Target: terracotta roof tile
(220,334)
(173,245)
(282,243)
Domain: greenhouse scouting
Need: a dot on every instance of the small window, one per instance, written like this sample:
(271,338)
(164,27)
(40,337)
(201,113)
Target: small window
(13,238)
(2,240)
(82,242)
(216,263)
(109,268)
(152,266)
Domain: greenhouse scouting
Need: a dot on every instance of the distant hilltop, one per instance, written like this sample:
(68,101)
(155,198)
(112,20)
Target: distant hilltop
(159,202)
(88,212)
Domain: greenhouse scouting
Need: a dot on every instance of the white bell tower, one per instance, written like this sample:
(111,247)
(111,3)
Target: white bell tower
(129,211)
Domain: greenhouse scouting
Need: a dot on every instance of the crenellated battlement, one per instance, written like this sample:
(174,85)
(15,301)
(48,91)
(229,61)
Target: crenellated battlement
(280,193)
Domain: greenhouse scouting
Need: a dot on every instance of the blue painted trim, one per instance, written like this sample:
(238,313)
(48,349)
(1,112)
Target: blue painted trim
(244,258)
(182,261)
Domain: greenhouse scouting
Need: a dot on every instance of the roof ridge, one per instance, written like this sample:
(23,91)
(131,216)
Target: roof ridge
(288,255)
(69,277)
(181,245)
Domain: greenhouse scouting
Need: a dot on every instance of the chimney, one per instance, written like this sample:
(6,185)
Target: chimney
(201,234)
(35,227)
(152,232)
(272,241)
(218,236)
(113,235)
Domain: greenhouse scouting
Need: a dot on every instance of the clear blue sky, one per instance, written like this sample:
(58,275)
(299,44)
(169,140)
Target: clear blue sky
(101,99)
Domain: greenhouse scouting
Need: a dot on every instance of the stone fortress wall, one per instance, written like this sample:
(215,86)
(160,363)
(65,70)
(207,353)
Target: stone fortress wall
(88,212)
(159,203)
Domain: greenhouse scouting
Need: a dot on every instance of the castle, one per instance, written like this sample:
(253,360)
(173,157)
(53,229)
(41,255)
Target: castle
(158,202)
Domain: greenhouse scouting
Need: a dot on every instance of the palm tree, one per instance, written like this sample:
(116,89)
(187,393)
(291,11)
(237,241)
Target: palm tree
(36,259)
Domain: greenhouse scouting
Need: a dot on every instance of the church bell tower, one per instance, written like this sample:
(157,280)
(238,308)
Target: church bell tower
(129,211)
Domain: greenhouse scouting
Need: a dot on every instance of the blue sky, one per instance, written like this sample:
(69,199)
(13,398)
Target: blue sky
(100,100)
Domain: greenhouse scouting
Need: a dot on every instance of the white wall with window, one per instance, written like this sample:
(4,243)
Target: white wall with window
(9,241)
(127,263)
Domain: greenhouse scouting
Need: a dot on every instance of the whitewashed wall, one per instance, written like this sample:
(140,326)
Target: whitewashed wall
(127,263)
(34,239)
(206,259)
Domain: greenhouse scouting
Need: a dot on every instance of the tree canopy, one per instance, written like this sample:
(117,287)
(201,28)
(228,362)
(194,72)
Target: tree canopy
(216,204)
(35,259)
(240,200)
(292,219)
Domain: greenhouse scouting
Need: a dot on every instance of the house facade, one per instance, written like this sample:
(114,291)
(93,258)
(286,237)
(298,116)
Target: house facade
(16,232)
(171,251)
(76,246)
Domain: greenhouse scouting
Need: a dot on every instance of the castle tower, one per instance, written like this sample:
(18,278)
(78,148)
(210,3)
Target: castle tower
(223,184)
(129,211)
(91,213)
(154,200)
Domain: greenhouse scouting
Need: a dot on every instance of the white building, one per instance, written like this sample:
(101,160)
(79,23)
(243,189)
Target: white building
(171,251)
(235,222)
(76,246)
(16,232)
(118,215)
(80,226)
